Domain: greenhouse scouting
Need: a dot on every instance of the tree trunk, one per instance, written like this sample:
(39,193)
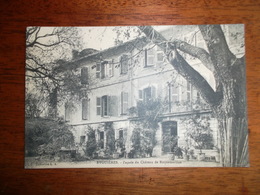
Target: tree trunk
(233,138)
(232,119)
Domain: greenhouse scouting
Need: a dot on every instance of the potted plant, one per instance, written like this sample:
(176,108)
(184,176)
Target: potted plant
(186,150)
(178,152)
(199,131)
(191,154)
(201,156)
(171,142)
(186,156)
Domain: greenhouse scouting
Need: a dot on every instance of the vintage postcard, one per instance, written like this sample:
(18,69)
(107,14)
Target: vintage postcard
(136,96)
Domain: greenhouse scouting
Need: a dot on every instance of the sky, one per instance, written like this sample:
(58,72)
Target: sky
(101,38)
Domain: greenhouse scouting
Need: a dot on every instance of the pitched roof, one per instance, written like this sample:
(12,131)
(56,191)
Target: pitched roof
(95,56)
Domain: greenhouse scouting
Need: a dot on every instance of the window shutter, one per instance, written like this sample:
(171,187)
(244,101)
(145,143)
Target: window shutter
(102,70)
(145,58)
(84,109)
(124,62)
(160,55)
(108,106)
(124,102)
(84,75)
(98,68)
(188,91)
(98,104)
(111,68)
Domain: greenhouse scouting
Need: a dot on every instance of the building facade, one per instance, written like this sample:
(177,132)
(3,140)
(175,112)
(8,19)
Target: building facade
(116,81)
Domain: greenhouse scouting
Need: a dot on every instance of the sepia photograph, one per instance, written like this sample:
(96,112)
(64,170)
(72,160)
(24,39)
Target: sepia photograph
(136,96)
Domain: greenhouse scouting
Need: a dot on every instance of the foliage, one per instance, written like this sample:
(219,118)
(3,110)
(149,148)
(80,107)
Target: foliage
(91,145)
(47,49)
(110,135)
(178,152)
(143,137)
(143,141)
(149,111)
(171,141)
(45,136)
(33,105)
(198,129)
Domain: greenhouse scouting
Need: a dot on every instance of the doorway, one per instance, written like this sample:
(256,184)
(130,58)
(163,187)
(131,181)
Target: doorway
(170,134)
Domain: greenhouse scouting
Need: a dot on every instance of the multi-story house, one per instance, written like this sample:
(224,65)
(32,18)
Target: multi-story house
(116,79)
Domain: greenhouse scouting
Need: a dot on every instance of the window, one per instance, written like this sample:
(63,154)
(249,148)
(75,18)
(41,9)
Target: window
(84,75)
(107,105)
(84,109)
(149,57)
(147,94)
(105,69)
(174,97)
(174,94)
(110,69)
(124,63)
(124,102)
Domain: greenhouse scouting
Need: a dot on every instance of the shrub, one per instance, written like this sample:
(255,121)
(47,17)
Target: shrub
(46,136)
(91,145)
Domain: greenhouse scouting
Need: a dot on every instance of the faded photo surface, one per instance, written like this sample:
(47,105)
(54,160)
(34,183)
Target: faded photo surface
(136,96)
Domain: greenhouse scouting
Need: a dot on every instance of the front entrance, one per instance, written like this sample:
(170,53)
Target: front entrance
(170,133)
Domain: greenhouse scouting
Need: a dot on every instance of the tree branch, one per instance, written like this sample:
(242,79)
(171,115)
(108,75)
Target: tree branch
(200,54)
(182,67)
(155,37)
(49,45)
(31,44)
(220,53)
(45,75)
(196,52)
(192,76)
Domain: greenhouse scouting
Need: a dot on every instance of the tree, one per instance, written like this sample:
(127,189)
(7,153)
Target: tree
(44,136)
(199,131)
(228,100)
(47,49)
(91,145)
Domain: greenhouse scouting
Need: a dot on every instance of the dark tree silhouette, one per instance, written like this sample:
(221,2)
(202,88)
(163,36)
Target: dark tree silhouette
(47,49)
